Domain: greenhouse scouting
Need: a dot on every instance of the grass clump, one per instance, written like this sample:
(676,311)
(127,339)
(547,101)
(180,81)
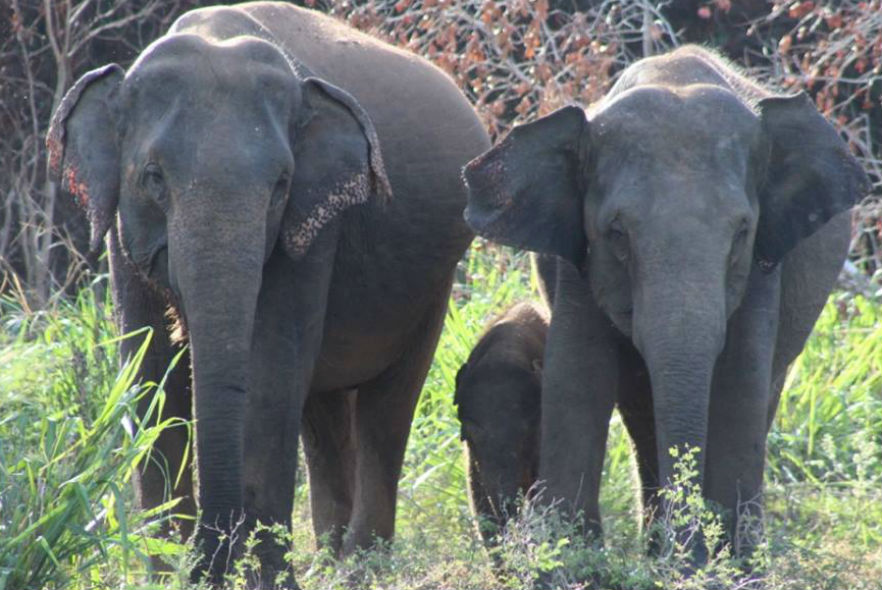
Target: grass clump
(69,443)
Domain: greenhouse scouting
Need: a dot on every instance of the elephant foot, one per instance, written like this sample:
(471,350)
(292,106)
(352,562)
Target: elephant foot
(275,572)
(359,539)
(219,547)
(215,560)
(285,581)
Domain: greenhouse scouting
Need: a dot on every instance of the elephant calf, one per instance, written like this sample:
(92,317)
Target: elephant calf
(700,221)
(498,392)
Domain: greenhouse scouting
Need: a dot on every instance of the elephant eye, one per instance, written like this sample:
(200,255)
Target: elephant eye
(618,240)
(153,182)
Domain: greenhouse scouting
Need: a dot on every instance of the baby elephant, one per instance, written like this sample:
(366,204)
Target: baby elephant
(498,394)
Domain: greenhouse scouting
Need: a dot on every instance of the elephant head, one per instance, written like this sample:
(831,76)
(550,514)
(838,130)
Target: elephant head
(498,408)
(498,395)
(664,198)
(208,156)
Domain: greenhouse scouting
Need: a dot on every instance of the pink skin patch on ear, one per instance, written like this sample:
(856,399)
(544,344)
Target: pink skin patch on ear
(56,149)
(345,194)
(488,174)
(496,173)
(78,189)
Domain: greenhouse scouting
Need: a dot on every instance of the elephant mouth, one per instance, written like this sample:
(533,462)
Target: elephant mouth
(157,277)
(614,309)
(623,320)
(622,314)
(157,266)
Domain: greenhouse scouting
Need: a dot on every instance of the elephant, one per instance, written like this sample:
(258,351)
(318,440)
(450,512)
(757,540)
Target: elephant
(498,394)
(699,221)
(287,190)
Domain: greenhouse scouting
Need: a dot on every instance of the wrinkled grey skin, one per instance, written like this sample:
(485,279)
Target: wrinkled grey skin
(498,394)
(700,221)
(291,188)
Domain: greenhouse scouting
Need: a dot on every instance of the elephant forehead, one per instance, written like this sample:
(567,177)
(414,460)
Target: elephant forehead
(186,63)
(695,131)
(676,117)
(498,387)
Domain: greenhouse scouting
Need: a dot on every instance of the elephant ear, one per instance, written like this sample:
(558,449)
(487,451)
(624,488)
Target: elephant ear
(527,190)
(458,383)
(84,149)
(811,176)
(337,162)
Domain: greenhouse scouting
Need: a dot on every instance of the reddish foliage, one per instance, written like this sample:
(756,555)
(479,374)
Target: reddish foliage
(515,60)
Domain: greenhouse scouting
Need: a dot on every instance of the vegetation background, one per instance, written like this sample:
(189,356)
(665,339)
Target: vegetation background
(68,438)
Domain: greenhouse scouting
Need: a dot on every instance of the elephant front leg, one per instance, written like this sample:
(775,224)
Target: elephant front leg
(738,412)
(578,392)
(285,346)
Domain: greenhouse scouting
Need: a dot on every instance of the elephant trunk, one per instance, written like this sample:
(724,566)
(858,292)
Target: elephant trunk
(215,267)
(680,335)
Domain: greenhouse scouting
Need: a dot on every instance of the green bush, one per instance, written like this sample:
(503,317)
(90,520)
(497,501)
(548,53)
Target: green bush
(69,442)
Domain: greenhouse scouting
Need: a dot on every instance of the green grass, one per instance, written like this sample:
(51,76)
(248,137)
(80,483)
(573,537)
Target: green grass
(69,441)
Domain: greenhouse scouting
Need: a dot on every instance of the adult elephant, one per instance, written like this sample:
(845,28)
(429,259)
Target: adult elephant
(291,189)
(700,221)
